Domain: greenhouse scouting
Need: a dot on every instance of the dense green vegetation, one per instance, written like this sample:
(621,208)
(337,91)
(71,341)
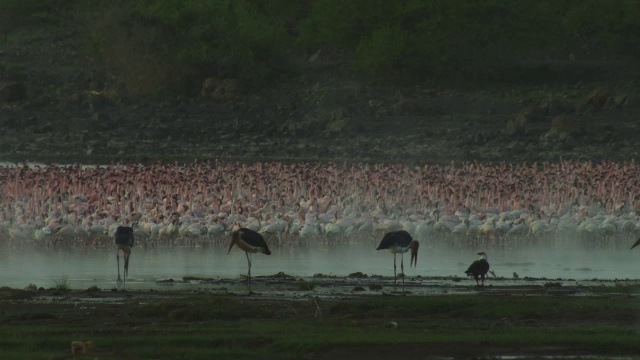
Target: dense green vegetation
(170,46)
(202,327)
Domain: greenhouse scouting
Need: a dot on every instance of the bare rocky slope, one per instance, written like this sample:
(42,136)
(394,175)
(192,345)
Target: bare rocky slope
(73,112)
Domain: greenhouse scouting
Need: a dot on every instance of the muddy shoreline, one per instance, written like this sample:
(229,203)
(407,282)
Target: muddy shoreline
(201,131)
(330,288)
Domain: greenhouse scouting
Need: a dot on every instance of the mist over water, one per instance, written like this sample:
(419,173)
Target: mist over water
(83,268)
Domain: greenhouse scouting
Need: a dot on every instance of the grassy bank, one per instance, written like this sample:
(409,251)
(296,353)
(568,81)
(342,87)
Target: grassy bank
(202,327)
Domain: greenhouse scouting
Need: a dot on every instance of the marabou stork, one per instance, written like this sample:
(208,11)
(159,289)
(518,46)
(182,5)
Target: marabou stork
(124,240)
(251,242)
(400,242)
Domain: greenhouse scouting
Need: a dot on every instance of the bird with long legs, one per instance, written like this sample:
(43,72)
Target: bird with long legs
(124,240)
(399,242)
(250,242)
(479,268)
(414,254)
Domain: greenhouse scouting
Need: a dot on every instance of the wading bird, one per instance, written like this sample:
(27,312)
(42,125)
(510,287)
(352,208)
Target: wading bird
(414,254)
(479,268)
(636,243)
(124,239)
(251,242)
(399,242)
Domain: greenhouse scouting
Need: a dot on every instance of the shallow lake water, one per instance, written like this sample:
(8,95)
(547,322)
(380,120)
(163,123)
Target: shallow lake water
(81,269)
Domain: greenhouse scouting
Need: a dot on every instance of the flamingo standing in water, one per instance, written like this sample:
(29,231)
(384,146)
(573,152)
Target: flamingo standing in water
(251,242)
(399,242)
(124,240)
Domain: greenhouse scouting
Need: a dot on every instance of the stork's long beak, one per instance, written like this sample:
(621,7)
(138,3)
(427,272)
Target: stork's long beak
(233,241)
(636,243)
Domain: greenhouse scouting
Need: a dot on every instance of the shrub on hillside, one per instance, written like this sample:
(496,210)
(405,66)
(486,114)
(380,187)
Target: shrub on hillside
(418,40)
(171,46)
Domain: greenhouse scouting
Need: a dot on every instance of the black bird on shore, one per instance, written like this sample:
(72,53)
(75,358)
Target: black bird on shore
(124,240)
(479,268)
(399,242)
(251,242)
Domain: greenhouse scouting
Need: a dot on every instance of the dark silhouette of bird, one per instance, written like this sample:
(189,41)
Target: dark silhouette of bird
(399,242)
(124,240)
(635,244)
(479,268)
(414,254)
(251,242)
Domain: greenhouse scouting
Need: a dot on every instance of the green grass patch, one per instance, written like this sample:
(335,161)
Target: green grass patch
(29,316)
(275,338)
(13,71)
(204,309)
(486,307)
(633,289)
(202,327)
(19,14)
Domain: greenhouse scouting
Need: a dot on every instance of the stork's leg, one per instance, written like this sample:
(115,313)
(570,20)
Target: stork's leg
(249,262)
(394,272)
(126,268)
(124,278)
(402,268)
(118,262)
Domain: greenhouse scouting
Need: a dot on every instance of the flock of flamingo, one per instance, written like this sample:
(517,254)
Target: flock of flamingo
(465,205)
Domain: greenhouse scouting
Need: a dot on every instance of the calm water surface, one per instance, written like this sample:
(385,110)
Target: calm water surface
(85,268)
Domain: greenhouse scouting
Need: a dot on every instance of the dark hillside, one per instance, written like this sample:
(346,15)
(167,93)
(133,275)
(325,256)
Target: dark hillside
(419,81)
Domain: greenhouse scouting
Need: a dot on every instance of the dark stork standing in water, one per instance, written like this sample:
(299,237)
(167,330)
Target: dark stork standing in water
(124,241)
(635,243)
(251,242)
(400,242)
(479,268)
